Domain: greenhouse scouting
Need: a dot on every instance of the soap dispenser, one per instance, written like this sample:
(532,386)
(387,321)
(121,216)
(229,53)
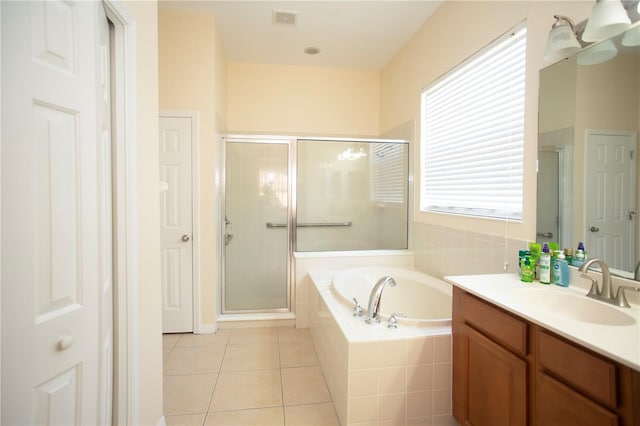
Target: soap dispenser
(561,270)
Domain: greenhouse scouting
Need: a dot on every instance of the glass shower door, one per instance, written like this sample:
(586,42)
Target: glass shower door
(256,251)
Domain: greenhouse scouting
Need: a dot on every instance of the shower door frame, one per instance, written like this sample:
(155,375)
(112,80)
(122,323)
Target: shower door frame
(290,142)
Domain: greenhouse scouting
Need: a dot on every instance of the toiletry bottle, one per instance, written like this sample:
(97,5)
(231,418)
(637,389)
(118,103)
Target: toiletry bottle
(579,255)
(568,255)
(534,250)
(584,251)
(545,265)
(561,270)
(527,270)
(521,256)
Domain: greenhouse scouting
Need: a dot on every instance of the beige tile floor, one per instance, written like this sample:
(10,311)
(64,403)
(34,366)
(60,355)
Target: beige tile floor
(254,376)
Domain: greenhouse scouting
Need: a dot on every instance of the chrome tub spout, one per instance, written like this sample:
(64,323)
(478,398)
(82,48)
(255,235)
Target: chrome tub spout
(373,311)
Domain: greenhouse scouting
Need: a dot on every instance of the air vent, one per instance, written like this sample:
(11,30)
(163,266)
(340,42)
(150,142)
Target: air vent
(281,17)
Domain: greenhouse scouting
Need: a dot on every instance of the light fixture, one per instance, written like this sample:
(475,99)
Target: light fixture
(562,41)
(598,53)
(631,38)
(607,19)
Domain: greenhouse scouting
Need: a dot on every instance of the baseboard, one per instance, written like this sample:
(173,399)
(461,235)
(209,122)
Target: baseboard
(205,329)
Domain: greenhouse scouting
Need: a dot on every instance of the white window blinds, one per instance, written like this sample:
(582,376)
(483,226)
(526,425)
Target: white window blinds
(472,134)
(388,172)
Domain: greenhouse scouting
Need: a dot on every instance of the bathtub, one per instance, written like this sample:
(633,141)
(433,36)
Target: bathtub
(376,374)
(423,300)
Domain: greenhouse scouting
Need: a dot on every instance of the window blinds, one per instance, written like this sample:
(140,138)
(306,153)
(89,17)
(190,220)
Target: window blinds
(388,172)
(473,134)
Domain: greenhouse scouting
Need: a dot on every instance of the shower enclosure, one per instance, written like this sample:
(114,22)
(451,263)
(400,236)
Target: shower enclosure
(281,195)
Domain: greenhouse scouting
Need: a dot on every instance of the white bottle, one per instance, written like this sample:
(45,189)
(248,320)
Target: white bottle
(545,265)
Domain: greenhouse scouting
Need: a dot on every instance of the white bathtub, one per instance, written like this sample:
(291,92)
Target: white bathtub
(376,374)
(424,300)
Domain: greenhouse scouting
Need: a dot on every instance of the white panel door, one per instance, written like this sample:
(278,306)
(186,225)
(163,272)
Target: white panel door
(56,214)
(610,195)
(176,223)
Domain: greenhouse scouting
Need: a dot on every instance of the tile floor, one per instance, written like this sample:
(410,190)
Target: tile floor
(253,376)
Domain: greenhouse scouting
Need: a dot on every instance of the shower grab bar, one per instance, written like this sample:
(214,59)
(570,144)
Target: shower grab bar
(309,225)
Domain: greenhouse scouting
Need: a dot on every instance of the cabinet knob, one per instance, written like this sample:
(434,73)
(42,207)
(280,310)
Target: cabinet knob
(64,342)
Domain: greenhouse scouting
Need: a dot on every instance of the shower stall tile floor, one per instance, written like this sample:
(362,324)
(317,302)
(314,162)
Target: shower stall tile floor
(253,376)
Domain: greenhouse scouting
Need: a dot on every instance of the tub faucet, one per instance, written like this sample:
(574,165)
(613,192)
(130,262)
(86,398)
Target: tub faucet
(603,293)
(374,299)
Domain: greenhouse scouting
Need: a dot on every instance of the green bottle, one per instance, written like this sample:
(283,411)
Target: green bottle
(527,271)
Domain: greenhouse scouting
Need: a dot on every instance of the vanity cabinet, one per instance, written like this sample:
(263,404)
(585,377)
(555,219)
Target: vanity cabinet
(489,364)
(509,371)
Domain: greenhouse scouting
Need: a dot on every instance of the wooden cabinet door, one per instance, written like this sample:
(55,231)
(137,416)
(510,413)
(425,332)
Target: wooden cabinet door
(556,404)
(493,386)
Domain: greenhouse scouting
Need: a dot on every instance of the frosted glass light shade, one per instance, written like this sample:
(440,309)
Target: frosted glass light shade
(562,43)
(632,36)
(607,19)
(597,54)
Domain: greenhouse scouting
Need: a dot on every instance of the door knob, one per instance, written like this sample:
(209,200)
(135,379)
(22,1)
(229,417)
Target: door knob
(594,229)
(185,238)
(64,342)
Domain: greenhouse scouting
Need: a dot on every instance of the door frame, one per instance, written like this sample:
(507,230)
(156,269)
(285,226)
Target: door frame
(126,388)
(198,327)
(284,313)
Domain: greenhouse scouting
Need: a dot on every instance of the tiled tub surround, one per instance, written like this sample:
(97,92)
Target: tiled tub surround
(379,376)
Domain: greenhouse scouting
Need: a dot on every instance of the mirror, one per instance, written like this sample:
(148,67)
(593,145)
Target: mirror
(588,180)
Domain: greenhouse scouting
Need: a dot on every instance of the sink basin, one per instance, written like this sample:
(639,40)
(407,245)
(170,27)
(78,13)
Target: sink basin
(576,307)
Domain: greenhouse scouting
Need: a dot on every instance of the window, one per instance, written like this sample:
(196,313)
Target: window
(472,134)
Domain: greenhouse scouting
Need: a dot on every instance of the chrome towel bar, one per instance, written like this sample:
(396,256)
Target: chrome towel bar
(309,225)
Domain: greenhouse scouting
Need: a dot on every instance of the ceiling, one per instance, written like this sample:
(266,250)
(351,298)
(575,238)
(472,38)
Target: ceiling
(349,33)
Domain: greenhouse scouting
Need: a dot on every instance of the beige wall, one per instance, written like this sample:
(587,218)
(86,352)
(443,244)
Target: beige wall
(148,348)
(298,100)
(558,96)
(193,78)
(454,32)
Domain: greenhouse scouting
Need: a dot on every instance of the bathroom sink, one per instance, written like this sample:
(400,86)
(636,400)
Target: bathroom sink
(576,307)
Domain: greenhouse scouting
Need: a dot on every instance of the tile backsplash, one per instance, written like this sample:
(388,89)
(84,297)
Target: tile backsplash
(440,251)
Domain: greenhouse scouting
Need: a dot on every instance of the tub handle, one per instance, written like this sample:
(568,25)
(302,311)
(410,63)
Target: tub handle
(393,319)
(357,310)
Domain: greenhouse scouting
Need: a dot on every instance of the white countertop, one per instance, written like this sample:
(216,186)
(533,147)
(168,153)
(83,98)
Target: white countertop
(533,302)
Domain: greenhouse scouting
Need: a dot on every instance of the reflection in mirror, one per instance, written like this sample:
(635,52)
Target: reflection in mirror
(589,118)
(352,195)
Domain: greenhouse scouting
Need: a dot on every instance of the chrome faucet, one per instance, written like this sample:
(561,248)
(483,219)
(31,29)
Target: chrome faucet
(606,293)
(603,293)
(373,310)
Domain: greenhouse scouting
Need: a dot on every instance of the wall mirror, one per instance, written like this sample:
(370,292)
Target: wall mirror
(588,180)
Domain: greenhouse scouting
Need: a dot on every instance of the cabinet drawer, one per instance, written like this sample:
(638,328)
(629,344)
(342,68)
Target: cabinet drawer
(587,373)
(557,404)
(500,326)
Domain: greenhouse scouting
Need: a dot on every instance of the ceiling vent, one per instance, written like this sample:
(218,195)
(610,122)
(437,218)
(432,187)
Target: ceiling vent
(281,17)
